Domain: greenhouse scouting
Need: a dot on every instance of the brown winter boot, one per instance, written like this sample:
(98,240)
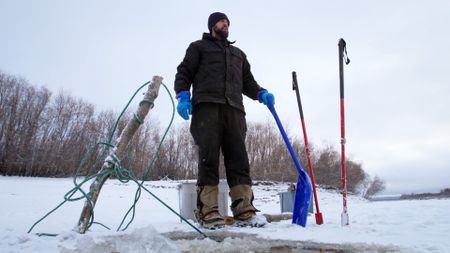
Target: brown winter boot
(207,213)
(242,202)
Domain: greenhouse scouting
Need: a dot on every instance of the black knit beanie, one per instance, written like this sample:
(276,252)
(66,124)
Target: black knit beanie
(216,17)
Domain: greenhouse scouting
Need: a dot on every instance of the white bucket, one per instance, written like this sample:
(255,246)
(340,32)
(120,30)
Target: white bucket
(287,200)
(187,194)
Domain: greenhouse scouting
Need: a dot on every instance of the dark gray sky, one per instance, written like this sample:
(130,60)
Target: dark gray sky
(397,84)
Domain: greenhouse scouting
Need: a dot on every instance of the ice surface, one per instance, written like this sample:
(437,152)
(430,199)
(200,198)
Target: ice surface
(384,226)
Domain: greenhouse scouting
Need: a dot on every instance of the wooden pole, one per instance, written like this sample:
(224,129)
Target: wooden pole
(118,153)
(229,220)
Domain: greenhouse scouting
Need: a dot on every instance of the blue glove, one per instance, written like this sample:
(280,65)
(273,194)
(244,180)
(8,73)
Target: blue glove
(184,107)
(266,98)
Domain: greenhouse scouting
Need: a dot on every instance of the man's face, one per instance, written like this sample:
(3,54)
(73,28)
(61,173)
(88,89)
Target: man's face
(221,28)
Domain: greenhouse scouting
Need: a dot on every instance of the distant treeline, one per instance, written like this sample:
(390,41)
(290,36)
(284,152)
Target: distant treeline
(46,135)
(444,193)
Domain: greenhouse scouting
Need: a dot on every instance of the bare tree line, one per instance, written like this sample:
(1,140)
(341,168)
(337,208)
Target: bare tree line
(48,135)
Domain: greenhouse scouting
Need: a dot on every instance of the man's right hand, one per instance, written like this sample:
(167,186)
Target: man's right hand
(184,107)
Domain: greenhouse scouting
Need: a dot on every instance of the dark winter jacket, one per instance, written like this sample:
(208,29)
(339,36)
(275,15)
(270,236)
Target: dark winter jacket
(218,72)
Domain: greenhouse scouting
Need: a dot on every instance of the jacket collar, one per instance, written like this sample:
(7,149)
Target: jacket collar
(208,36)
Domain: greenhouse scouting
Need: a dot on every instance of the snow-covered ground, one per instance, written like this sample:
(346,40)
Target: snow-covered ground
(391,226)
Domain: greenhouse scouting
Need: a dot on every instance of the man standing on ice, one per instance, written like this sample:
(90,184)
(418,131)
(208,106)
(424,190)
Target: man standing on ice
(219,74)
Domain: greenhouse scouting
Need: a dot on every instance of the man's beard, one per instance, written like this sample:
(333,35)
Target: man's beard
(221,33)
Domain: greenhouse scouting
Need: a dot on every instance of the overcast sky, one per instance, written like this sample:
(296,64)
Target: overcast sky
(397,86)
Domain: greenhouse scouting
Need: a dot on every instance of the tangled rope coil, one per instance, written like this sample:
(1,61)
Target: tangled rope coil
(122,174)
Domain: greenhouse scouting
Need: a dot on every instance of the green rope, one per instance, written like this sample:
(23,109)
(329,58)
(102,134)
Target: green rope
(122,174)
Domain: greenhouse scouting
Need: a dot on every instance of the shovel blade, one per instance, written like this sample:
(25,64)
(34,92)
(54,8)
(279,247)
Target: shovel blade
(302,199)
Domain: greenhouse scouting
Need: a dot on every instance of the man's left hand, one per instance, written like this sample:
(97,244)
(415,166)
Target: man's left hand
(266,98)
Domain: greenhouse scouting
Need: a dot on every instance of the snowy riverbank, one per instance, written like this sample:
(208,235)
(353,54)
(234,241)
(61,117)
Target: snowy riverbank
(392,226)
